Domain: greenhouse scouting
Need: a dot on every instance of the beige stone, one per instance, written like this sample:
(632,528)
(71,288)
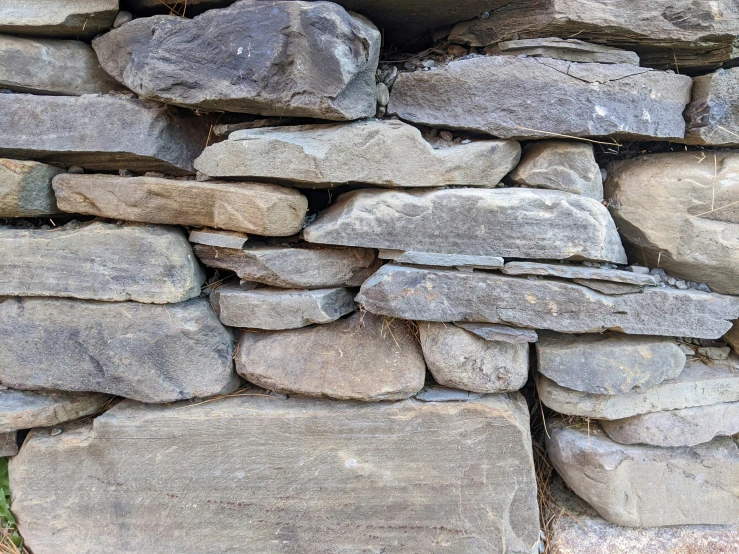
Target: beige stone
(25,188)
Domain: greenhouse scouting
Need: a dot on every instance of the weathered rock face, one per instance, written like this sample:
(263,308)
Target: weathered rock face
(712,115)
(273,58)
(101,132)
(447,295)
(362,357)
(520,223)
(458,358)
(247,207)
(340,500)
(580,272)
(696,239)
(381,153)
(100,261)
(501,333)
(25,188)
(29,409)
(572,50)
(732,337)
(80,19)
(484,94)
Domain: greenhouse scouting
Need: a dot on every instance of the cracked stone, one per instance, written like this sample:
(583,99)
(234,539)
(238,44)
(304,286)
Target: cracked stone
(25,188)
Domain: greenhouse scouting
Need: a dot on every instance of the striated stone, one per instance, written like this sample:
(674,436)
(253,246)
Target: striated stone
(501,333)
(483,94)
(221,239)
(29,409)
(607,287)
(271,57)
(732,337)
(376,152)
(246,207)
(713,115)
(8,444)
(25,188)
(100,261)
(442,260)
(572,50)
(80,19)
(519,223)
(362,357)
(579,272)
(452,484)
(140,351)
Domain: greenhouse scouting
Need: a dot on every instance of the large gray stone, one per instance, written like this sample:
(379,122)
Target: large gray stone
(572,50)
(713,115)
(25,188)
(483,94)
(275,57)
(80,19)
(263,474)
(140,351)
(446,295)
(519,223)
(100,261)
(101,132)
(385,153)
(29,409)
(362,357)
(579,272)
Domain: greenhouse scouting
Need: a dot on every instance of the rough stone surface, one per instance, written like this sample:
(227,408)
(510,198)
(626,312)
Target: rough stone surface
(732,337)
(375,152)
(519,223)
(140,351)
(221,239)
(292,58)
(579,272)
(80,19)
(351,479)
(247,207)
(358,358)
(8,444)
(442,260)
(437,393)
(460,359)
(29,409)
(572,50)
(607,287)
(713,115)
(695,232)
(100,261)
(25,188)
(447,295)
(484,94)
(501,333)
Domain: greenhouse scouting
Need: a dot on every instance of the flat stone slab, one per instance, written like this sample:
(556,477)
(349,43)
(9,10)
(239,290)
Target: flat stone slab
(80,19)
(101,132)
(294,268)
(442,260)
(257,208)
(140,351)
(30,409)
(572,50)
(25,188)
(383,153)
(483,94)
(8,444)
(712,115)
(100,261)
(501,333)
(608,287)
(513,222)
(219,238)
(580,272)
(445,295)
(335,493)
(362,357)
(437,393)
(276,309)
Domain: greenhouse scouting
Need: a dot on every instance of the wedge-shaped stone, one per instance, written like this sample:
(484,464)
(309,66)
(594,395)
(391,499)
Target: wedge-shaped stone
(572,50)
(8,444)
(608,287)
(732,337)
(375,152)
(334,493)
(247,207)
(501,333)
(519,223)
(80,19)
(100,132)
(713,115)
(483,94)
(579,272)
(271,57)
(25,188)
(362,357)
(219,238)
(29,409)
(442,260)
(294,268)
(148,353)
(100,261)
(696,239)
(447,295)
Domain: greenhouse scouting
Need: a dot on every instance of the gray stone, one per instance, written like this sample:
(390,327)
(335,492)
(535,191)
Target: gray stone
(483,94)
(572,50)
(715,352)
(8,444)
(25,188)
(384,153)
(446,295)
(218,238)
(713,115)
(362,357)
(29,409)
(501,333)
(277,309)
(442,260)
(460,359)
(607,287)
(579,272)
(452,484)
(272,57)
(121,18)
(100,261)
(519,223)
(140,351)
(100,132)
(80,19)
(436,393)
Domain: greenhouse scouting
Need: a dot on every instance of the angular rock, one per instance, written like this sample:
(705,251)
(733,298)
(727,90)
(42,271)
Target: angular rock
(713,115)
(695,233)
(25,188)
(100,261)
(460,359)
(519,223)
(80,19)
(294,268)
(435,393)
(29,409)
(607,287)
(579,272)
(501,333)
(334,493)
(375,152)
(445,295)
(246,207)
(572,50)
(272,57)
(222,239)
(361,357)
(442,260)
(101,132)
(148,353)
(483,94)
(732,337)
(610,363)
(8,444)
(277,309)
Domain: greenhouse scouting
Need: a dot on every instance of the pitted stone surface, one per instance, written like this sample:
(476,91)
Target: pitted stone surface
(21,409)
(79,19)
(25,188)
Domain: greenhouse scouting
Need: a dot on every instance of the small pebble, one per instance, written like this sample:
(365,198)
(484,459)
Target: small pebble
(671,281)
(383,94)
(381,111)
(428,64)
(75,170)
(125,173)
(409,66)
(640,269)
(201,177)
(446,135)
(121,18)
(56,431)
(456,51)
(714,353)
(682,285)
(603,174)
(702,287)
(466,141)
(687,350)
(390,76)
(153,174)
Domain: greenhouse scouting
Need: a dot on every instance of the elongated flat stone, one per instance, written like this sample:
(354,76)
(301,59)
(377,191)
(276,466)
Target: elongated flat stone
(334,492)
(514,222)
(579,272)
(609,287)
(81,19)
(219,238)
(502,333)
(572,50)
(446,295)
(442,260)
(25,188)
(100,261)
(30,409)
(712,115)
